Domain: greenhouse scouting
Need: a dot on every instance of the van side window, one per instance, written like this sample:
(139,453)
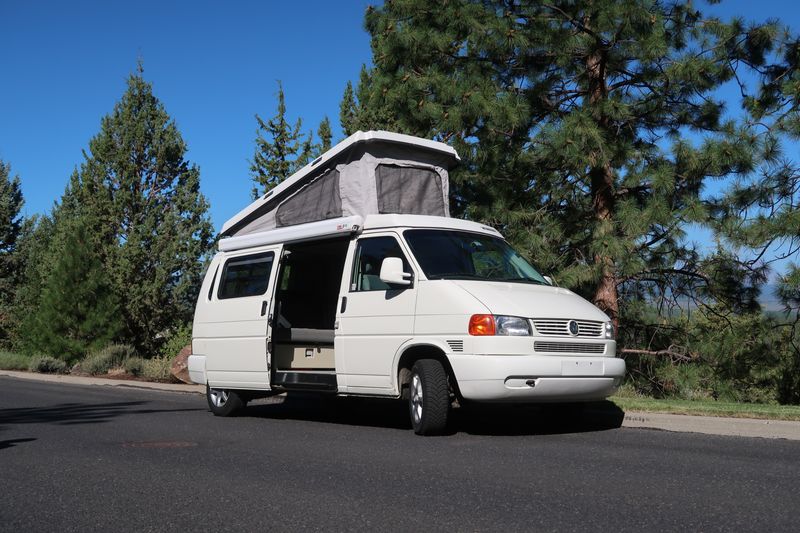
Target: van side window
(246,276)
(370,253)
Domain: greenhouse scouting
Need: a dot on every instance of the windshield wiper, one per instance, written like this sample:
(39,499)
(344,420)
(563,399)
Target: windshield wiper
(519,280)
(457,275)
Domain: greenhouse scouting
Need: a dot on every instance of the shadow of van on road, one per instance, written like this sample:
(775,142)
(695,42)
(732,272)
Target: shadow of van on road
(13,442)
(474,419)
(77,413)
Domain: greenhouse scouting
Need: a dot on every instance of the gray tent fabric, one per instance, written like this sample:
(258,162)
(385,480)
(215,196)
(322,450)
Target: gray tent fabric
(320,200)
(368,173)
(409,190)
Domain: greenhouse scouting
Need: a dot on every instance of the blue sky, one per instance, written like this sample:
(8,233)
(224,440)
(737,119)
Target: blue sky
(213,65)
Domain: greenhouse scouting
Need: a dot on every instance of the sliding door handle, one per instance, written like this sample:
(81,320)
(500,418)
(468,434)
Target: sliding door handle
(264,306)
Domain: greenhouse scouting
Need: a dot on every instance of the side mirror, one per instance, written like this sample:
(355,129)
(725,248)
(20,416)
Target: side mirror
(549,280)
(392,272)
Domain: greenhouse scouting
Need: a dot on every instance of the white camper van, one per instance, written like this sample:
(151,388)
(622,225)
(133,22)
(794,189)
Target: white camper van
(350,278)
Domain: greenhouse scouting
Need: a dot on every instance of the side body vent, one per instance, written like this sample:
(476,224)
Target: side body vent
(456,346)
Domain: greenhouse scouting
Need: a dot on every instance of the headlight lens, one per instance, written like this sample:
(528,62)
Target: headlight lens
(512,325)
(609,330)
(483,325)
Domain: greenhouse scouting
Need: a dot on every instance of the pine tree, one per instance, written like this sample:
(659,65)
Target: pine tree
(325,135)
(36,264)
(588,130)
(150,221)
(78,310)
(281,149)
(348,110)
(10,226)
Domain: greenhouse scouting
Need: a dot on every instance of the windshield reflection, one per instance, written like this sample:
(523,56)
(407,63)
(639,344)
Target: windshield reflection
(450,254)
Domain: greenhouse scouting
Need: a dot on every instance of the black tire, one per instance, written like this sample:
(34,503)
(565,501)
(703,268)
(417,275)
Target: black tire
(428,397)
(224,402)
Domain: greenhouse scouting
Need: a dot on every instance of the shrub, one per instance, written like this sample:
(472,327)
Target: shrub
(157,369)
(14,361)
(105,359)
(47,365)
(133,366)
(179,338)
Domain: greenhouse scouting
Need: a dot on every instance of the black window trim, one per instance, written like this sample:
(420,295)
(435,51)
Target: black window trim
(213,281)
(405,259)
(238,258)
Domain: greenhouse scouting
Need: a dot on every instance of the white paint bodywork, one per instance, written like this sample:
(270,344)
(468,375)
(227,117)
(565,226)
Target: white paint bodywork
(372,329)
(377,328)
(231,334)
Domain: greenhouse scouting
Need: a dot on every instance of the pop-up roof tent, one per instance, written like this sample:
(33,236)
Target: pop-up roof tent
(367,173)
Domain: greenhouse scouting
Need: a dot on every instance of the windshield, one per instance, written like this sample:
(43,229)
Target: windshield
(444,254)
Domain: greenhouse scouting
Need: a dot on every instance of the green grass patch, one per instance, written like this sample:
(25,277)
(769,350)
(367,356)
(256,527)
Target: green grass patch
(708,408)
(14,361)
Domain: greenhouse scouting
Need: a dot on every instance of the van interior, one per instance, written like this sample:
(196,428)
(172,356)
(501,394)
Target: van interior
(305,312)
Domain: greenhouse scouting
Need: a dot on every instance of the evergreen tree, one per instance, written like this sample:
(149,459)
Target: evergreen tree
(325,136)
(348,110)
(150,222)
(280,149)
(78,310)
(308,151)
(35,266)
(588,130)
(10,226)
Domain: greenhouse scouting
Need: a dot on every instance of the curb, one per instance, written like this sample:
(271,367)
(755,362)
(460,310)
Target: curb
(86,380)
(713,425)
(708,425)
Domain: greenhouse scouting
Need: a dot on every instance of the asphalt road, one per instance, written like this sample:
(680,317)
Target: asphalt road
(76,458)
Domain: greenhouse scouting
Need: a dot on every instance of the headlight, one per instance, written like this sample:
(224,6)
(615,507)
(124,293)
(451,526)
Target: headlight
(481,325)
(609,330)
(512,325)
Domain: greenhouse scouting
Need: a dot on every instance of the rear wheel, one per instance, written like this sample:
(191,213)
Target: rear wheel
(224,402)
(428,398)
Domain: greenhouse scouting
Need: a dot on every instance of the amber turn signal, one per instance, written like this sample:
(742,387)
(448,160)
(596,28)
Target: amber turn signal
(481,325)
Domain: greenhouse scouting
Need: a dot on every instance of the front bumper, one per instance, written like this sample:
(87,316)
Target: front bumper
(536,378)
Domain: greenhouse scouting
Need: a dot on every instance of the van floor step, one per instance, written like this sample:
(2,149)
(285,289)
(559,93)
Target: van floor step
(306,380)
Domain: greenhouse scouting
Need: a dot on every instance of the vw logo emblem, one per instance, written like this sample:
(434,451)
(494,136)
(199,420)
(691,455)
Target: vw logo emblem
(573,328)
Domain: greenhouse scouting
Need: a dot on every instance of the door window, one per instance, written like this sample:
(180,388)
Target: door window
(246,276)
(370,253)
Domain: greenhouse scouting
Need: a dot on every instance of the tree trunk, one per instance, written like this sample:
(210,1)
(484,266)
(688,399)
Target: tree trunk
(602,181)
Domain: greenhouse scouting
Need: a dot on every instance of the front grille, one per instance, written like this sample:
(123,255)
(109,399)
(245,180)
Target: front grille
(569,347)
(559,327)
(456,346)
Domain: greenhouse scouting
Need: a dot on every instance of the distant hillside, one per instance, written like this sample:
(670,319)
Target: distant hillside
(768,300)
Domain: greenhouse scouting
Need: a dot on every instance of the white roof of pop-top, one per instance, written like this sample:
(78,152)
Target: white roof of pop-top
(348,226)
(425,221)
(354,139)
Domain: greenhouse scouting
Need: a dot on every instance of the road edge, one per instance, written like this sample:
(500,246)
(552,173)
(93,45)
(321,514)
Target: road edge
(709,425)
(91,380)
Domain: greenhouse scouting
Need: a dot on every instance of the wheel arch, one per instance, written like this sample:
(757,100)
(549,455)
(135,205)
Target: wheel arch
(412,353)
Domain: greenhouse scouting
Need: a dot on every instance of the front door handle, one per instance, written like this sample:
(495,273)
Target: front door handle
(344,304)
(264,306)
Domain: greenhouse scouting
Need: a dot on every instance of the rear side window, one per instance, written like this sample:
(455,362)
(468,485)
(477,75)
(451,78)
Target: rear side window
(246,276)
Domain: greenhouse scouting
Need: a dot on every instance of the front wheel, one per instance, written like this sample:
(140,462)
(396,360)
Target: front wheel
(224,402)
(429,397)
